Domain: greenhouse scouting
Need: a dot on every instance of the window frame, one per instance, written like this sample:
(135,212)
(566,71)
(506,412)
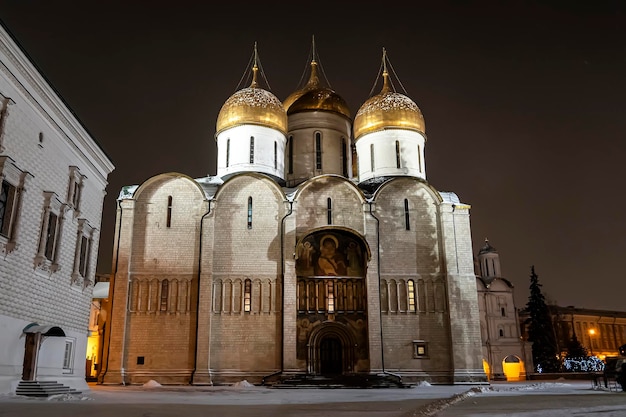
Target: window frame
(15,177)
(52,207)
(75,189)
(420,349)
(83,253)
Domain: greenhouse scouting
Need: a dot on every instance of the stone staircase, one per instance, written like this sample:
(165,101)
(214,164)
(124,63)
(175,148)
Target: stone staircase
(342,381)
(43,389)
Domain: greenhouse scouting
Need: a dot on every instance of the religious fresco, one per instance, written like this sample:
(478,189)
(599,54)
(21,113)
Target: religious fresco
(329,254)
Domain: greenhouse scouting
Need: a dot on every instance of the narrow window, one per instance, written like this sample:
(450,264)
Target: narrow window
(249,212)
(169,211)
(344,158)
(67,355)
(247,295)
(411,294)
(407,218)
(51,235)
(7,203)
(227,152)
(501,332)
(252,149)
(85,250)
(397,154)
(291,154)
(503,311)
(164,294)
(329,210)
(74,188)
(372,157)
(330,298)
(419,158)
(275,156)
(82,254)
(318,150)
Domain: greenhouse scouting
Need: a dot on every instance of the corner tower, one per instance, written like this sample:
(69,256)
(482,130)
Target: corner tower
(250,131)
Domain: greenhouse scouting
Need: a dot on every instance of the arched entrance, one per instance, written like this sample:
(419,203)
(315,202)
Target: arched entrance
(331,356)
(331,350)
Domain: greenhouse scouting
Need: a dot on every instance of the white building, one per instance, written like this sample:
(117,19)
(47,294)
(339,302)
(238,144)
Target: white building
(53,177)
(506,356)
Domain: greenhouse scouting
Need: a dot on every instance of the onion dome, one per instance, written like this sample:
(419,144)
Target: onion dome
(487,248)
(252,105)
(388,109)
(315,97)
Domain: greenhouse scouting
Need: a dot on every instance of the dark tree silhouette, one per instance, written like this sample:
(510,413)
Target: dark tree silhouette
(540,329)
(575,349)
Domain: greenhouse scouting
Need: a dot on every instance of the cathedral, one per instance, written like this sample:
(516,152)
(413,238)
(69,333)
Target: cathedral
(319,248)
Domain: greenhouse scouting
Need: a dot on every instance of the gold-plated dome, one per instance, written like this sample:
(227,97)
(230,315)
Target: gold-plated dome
(252,105)
(388,109)
(314,96)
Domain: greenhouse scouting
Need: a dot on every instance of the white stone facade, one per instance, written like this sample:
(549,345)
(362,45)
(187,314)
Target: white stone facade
(54,177)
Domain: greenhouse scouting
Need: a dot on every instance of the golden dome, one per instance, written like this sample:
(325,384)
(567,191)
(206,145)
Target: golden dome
(313,97)
(252,105)
(388,109)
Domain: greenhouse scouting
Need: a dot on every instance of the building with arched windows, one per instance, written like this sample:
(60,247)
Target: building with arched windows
(319,248)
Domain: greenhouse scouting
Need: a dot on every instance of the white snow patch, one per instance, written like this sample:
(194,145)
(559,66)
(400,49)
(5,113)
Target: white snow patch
(151,384)
(242,384)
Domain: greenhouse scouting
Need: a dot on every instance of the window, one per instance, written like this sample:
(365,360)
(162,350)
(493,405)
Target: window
(165,293)
(12,181)
(411,294)
(247,295)
(290,155)
(344,158)
(169,211)
(249,212)
(420,349)
(227,152)
(74,189)
(50,235)
(82,256)
(397,154)
(329,210)
(318,150)
(5,102)
(68,356)
(275,155)
(501,332)
(372,157)
(419,158)
(503,311)
(252,149)
(407,218)
(330,298)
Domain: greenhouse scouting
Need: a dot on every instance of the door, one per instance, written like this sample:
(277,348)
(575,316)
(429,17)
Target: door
(331,358)
(30,356)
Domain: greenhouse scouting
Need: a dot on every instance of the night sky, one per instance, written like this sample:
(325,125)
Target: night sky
(524,102)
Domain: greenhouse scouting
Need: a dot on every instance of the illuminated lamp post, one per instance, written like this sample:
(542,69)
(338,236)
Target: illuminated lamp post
(592,332)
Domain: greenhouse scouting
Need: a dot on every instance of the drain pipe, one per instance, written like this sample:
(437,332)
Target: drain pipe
(195,356)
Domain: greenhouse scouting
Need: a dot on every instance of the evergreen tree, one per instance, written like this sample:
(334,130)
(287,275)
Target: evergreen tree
(575,349)
(540,329)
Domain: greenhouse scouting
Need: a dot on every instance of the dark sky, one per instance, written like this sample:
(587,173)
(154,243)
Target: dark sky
(524,102)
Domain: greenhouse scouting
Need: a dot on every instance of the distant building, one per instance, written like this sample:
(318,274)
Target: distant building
(319,248)
(506,355)
(601,332)
(53,178)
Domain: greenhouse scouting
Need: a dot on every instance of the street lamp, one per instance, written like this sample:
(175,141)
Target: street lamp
(592,332)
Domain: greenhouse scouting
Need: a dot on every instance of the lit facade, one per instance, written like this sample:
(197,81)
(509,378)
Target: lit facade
(289,262)
(53,178)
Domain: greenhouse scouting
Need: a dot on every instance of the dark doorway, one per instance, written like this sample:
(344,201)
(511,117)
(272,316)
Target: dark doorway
(331,358)
(31,346)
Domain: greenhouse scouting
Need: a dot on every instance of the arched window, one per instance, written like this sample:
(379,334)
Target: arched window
(227,152)
(252,149)
(290,162)
(407,218)
(249,212)
(344,158)
(275,156)
(501,332)
(411,294)
(164,294)
(397,154)
(169,211)
(318,150)
(330,300)
(329,210)
(247,295)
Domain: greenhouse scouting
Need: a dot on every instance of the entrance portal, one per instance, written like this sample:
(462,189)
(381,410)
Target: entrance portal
(331,360)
